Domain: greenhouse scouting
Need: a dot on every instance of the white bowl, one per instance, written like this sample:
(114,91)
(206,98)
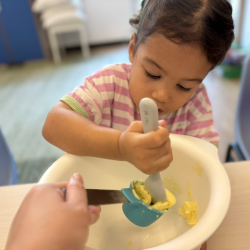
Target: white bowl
(114,231)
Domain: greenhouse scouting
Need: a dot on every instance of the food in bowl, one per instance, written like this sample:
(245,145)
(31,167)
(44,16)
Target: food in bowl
(188,212)
(142,194)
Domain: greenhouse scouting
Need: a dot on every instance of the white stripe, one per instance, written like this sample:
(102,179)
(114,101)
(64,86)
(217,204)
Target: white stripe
(106,122)
(93,92)
(199,131)
(119,126)
(123,114)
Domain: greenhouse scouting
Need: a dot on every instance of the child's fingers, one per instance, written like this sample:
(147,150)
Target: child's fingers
(136,127)
(163,162)
(76,193)
(155,139)
(162,123)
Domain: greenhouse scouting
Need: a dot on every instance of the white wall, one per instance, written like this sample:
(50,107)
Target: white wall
(245,35)
(236,4)
(107,22)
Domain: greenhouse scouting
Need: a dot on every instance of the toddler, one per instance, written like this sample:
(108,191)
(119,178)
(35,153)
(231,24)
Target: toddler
(176,44)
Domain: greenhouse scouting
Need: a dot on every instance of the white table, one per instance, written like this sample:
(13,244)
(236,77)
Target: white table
(233,233)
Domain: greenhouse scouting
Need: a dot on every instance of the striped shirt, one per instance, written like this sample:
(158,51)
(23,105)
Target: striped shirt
(104,98)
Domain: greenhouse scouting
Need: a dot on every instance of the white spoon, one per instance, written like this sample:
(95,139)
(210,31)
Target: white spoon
(149,117)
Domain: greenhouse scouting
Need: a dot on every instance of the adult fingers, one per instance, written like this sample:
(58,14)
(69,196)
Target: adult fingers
(76,193)
(94,214)
(204,246)
(60,185)
(48,189)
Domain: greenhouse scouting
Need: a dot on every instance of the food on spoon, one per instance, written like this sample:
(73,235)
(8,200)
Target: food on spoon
(142,194)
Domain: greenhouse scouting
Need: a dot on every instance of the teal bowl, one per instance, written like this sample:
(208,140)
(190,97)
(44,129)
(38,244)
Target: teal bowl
(138,212)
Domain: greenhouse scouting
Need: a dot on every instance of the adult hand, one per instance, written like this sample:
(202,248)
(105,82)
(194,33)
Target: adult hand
(151,152)
(204,246)
(47,220)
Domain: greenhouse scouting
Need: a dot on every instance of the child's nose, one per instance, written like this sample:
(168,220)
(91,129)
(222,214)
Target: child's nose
(161,95)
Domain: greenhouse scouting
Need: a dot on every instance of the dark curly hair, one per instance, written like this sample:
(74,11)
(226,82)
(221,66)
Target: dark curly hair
(207,23)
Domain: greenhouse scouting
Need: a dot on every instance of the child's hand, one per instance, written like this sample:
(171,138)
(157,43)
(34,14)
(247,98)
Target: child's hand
(151,152)
(45,220)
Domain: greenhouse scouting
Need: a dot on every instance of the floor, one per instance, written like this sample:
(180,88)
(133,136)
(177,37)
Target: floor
(29,91)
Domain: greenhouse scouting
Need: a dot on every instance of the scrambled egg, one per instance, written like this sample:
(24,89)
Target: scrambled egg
(188,212)
(142,194)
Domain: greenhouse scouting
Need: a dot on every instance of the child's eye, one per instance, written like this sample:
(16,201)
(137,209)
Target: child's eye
(183,89)
(152,76)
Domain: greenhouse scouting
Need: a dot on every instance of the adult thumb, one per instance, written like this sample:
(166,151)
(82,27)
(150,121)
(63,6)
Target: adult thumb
(76,193)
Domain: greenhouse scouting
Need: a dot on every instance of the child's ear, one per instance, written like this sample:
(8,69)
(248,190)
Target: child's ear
(131,48)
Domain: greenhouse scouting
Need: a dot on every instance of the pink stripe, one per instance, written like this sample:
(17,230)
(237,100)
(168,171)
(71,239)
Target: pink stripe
(104,125)
(204,93)
(208,139)
(107,103)
(106,116)
(84,105)
(126,67)
(84,87)
(179,132)
(121,120)
(177,119)
(113,87)
(191,118)
(109,87)
(91,82)
(198,105)
(98,105)
(209,134)
(214,142)
(122,91)
(106,87)
(137,116)
(199,125)
(108,72)
(119,106)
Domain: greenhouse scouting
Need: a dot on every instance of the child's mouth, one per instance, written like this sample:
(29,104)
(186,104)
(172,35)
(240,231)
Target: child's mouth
(160,111)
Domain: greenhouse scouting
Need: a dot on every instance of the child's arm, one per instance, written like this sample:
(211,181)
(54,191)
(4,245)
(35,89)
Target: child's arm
(75,134)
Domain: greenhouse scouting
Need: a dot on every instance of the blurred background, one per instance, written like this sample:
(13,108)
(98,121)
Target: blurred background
(47,47)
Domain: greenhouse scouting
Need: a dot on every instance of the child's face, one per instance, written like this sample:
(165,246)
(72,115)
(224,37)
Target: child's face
(166,72)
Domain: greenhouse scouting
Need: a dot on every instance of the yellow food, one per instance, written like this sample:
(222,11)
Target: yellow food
(142,194)
(188,212)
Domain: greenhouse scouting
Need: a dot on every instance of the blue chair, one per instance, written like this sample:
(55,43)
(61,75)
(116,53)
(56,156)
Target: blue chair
(8,170)
(241,146)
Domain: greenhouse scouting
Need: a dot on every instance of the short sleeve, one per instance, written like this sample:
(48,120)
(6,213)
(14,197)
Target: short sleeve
(86,100)
(200,117)
(94,99)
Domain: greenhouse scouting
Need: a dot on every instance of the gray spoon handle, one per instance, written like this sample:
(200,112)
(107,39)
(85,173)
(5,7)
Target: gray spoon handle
(149,117)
